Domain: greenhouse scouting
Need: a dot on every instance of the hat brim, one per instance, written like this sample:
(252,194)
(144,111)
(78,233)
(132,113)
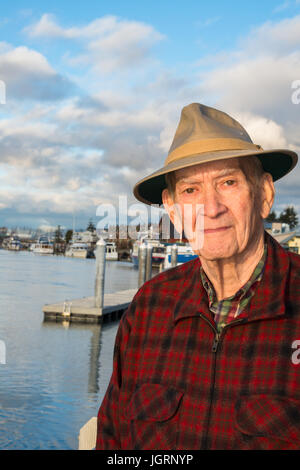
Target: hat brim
(277,162)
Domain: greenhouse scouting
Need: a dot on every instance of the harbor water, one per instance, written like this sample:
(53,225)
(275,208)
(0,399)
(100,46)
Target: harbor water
(55,374)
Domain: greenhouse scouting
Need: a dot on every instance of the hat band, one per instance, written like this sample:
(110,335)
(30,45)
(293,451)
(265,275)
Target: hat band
(209,145)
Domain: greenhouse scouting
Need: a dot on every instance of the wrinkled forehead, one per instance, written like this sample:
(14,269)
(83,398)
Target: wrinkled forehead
(218,167)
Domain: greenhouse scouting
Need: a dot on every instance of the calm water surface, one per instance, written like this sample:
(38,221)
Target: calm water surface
(55,374)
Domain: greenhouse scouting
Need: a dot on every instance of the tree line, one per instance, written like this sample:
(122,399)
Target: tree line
(287,216)
(58,235)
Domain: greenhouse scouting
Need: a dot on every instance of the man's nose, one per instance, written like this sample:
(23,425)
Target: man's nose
(213,206)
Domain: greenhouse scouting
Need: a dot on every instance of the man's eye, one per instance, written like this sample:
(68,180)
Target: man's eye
(189,190)
(229,182)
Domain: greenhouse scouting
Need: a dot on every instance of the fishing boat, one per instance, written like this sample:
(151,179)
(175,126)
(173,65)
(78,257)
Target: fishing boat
(43,246)
(78,250)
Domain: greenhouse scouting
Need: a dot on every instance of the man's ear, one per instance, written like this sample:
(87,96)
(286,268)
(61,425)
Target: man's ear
(173,209)
(267,196)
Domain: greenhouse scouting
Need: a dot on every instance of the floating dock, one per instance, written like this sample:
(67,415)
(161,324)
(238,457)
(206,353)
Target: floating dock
(101,307)
(84,310)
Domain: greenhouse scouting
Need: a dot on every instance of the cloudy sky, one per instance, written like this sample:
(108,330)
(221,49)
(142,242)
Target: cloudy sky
(94,91)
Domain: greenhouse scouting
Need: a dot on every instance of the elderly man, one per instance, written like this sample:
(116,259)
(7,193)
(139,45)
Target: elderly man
(207,355)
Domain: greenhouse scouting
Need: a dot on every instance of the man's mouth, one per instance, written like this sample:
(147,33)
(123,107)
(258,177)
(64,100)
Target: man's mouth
(216,230)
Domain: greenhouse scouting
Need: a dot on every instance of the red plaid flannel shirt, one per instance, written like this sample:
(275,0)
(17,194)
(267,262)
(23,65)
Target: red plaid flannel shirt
(176,385)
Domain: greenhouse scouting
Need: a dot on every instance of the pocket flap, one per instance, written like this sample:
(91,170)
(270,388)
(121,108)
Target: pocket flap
(269,415)
(153,402)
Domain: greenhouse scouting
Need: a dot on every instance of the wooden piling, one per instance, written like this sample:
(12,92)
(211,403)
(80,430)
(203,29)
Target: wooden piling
(174,255)
(100,273)
(142,264)
(148,274)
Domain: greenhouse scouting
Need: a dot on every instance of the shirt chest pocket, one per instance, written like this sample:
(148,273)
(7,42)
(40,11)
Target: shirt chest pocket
(153,415)
(268,422)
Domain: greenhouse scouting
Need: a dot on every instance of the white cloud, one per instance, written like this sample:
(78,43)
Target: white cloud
(45,27)
(109,43)
(260,85)
(26,60)
(28,75)
(275,38)
(257,76)
(282,6)
(263,131)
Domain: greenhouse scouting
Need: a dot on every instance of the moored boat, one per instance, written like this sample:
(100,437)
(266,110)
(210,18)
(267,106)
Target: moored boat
(77,250)
(184,254)
(111,253)
(43,246)
(12,244)
(158,251)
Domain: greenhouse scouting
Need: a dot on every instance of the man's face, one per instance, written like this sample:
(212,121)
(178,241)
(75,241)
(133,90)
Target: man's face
(231,213)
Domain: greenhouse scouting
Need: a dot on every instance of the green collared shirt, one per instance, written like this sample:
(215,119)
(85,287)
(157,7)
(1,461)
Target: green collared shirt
(227,309)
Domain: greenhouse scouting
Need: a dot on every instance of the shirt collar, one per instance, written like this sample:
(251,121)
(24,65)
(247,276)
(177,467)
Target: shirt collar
(256,276)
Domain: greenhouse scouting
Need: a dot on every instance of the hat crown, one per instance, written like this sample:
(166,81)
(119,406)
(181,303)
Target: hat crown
(199,122)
